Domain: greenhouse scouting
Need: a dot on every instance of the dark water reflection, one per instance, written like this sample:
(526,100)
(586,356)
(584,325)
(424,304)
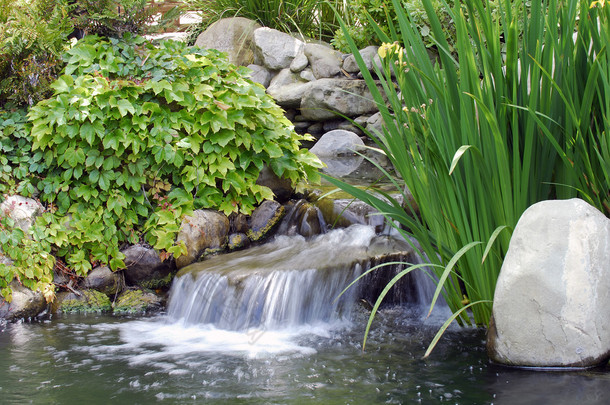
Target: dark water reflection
(96,359)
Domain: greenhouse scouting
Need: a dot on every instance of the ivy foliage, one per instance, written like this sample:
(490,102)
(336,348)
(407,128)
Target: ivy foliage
(137,136)
(19,168)
(32,263)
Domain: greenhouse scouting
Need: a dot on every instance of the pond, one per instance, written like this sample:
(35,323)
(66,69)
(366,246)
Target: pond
(98,359)
(262,326)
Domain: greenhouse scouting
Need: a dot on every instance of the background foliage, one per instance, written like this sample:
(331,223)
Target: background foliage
(34,34)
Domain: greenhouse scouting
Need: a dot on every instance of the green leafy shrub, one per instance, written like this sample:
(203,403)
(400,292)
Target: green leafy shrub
(19,167)
(32,261)
(137,136)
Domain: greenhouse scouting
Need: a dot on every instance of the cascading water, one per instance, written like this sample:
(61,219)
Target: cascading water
(289,282)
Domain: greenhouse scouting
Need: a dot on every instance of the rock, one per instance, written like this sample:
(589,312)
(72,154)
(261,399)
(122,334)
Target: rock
(146,269)
(337,143)
(341,213)
(299,63)
(368,54)
(25,303)
(132,302)
(238,223)
(282,188)
(553,292)
(22,210)
(316,128)
(284,78)
(89,301)
(375,125)
(341,166)
(204,233)
(324,61)
(327,97)
(342,124)
(238,241)
(260,74)
(264,219)
(231,35)
(302,218)
(276,49)
(287,88)
(289,96)
(104,280)
(307,75)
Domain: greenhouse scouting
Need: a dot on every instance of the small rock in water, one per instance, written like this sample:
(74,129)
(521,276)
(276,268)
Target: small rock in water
(264,219)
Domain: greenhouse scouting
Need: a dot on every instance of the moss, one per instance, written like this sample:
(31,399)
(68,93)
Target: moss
(90,301)
(136,302)
(272,223)
(156,283)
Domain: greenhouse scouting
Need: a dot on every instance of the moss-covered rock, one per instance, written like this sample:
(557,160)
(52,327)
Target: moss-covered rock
(132,302)
(264,220)
(89,301)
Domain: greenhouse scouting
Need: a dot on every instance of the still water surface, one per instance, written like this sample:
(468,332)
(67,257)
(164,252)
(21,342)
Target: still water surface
(99,360)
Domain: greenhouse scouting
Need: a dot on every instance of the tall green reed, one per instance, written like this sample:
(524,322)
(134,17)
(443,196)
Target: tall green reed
(478,139)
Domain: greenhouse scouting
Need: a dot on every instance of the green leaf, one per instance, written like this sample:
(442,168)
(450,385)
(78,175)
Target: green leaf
(124,107)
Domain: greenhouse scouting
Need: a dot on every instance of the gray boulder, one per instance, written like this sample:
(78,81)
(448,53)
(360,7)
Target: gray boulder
(299,63)
(338,143)
(145,267)
(287,89)
(324,61)
(231,35)
(307,75)
(22,210)
(265,219)
(260,74)
(375,124)
(290,95)
(25,303)
(368,54)
(327,97)
(553,293)
(104,280)
(203,233)
(276,49)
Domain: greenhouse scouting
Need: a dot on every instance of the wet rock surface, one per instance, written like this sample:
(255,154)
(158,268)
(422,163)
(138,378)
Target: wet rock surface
(104,280)
(25,303)
(204,232)
(146,269)
(137,302)
(264,219)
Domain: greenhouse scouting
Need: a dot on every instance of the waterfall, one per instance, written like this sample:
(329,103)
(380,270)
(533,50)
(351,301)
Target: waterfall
(291,281)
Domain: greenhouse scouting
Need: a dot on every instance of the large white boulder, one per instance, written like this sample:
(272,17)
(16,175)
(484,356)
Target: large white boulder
(552,300)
